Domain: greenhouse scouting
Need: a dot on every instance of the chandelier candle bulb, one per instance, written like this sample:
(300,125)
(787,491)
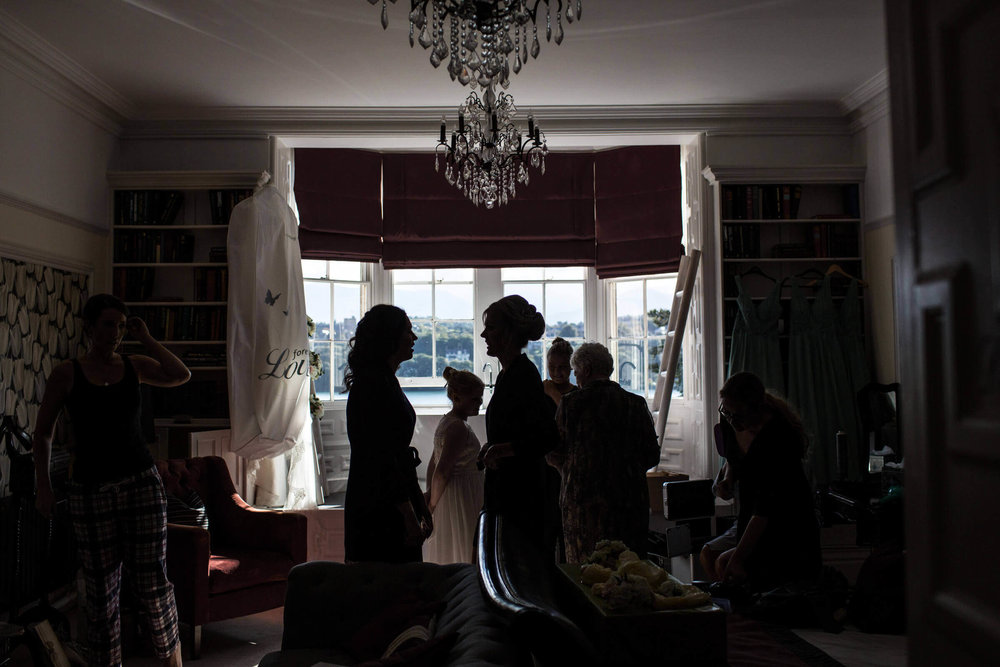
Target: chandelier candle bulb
(442,131)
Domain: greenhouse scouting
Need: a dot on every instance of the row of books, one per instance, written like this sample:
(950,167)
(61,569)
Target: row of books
(834,240)
(761,202)
(147,207)
(222,203)
(184,322)
(211,284)
(153,247)
(133,284)
(741,241)
(823,239)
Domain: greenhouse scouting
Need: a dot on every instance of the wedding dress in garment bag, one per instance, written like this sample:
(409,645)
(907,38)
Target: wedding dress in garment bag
(267,344)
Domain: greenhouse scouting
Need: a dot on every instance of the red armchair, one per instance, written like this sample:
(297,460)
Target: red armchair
(237,567)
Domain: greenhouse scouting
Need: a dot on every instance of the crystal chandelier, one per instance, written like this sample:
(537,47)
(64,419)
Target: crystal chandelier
(484,34)
(487,157)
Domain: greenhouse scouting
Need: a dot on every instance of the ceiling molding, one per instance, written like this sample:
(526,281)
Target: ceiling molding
(43,66)
(872,110)
(846,173)
(784,119)
(868,90)
(181,180)
(868,102)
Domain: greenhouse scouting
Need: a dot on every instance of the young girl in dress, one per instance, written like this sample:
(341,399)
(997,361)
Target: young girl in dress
(454,482)
(557,363)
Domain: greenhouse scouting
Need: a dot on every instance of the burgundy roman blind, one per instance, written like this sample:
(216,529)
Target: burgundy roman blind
(429,223)
(337,191)
(638,203)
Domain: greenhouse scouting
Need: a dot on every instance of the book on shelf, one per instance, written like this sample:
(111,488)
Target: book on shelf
(224,201)
(760,202)
(147,207)
(153,247)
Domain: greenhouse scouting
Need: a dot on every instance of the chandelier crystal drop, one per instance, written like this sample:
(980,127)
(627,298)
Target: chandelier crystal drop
(486,38)
(487,156)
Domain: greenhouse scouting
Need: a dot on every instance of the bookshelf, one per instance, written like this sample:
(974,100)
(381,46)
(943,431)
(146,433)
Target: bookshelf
(791,225)
(169,265)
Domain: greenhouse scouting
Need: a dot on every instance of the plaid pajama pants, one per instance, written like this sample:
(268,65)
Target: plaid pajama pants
(122,526)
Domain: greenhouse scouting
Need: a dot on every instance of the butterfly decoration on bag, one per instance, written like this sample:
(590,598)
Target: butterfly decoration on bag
(271,299)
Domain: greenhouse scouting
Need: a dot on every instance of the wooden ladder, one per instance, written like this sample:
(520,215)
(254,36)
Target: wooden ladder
(686,274)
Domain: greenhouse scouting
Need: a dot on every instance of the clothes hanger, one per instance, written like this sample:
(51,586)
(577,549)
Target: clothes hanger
(756,270)
(835,269)
(808,273)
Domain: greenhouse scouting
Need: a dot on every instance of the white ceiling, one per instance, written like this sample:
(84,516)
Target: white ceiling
(178,56)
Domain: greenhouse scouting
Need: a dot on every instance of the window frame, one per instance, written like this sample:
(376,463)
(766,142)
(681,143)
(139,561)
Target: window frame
(611,319)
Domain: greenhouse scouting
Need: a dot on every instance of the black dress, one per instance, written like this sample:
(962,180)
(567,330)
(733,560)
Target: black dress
(383,472)
(519,489)
(773,484)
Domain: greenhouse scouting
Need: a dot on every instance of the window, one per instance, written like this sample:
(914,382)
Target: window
(337,294)
(638,312)
(440,305)
(560,295)
(445,307)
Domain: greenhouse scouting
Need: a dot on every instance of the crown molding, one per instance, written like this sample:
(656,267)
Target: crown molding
(43,66)
(868,102)
(827,173)
(345,122)
(181,180)
(7,199)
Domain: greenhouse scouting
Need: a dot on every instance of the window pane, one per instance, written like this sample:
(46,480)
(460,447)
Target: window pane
(628,303)
(346,310)
(564,310)
(530,291)
(679,377)
(322,383)
(345,271)
(412,275)
(655,347)
(318,307)
(630,365)
(313,268)
(340,351)
(566,273)
(421,364)
(453,302)
(659,299)
(523,273)
(534,352)
(454,346)
(414,299)
(454,275)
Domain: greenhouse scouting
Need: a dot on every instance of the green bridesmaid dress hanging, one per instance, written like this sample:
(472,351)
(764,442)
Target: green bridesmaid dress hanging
(755,338)
(819,384)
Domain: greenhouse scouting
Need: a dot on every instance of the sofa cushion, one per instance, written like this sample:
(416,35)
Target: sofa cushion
(230,569)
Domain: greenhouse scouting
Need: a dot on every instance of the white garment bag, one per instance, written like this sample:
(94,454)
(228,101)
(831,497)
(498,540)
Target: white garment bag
(267,342)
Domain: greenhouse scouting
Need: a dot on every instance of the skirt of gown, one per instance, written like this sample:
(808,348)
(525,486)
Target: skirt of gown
(455,519)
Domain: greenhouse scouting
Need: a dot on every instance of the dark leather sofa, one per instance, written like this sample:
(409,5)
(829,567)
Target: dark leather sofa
(328,605)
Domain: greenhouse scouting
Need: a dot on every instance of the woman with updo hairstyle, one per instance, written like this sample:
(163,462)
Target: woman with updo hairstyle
(520,426)
(558,366)
(385,516)
(777,530)
(454,481)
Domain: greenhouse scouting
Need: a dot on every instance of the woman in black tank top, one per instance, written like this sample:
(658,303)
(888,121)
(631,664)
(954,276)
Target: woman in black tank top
(117,502)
